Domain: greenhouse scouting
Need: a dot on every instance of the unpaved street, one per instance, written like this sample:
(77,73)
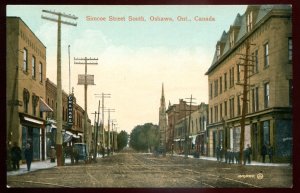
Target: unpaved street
(147,171)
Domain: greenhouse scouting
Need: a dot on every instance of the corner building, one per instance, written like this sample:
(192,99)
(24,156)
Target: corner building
(25,88)
(267,29)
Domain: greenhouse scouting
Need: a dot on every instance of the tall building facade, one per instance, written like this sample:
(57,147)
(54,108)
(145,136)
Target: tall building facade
(25,88)
(162,121)
(261,41)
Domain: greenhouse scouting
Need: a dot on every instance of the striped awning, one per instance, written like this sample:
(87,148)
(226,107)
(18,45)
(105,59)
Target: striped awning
(44,107)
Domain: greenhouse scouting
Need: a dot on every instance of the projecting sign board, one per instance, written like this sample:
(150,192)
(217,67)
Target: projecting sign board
(89,79)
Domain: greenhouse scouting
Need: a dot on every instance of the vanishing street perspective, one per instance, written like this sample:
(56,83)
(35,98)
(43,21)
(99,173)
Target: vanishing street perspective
(149,96)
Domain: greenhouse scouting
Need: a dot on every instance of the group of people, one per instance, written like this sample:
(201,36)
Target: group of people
(233,156)
(16,156)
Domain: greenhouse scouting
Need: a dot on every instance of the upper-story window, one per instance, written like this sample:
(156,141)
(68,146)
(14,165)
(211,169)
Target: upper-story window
(231,39)
(255,61)
(216,88)
(218,51)
(266,54)
(249,21)
(290,46)
(221,84)
(26,97)
(225,81)
(41,72)
(25,60)
(267,94)
(210,91)
(33,67)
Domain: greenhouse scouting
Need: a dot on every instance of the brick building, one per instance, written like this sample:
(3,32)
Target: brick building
(25,88)
(267,29)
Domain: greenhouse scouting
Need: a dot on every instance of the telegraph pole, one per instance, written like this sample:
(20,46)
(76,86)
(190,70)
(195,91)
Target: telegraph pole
(108,142)
(187,130)
(173,133)
(245,91)
(103,95)
(85,80)
(59,84)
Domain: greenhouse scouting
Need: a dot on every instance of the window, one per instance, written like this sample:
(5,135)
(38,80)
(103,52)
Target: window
(41,72)
(290,45)
(231,39)
(216,113)
(266,54)
(267,94)
(216,88)
(290,92)
(33,67)
(220,84)
(218,51)
(238,73)
(210,91)
(249,21)
(231,77)
(231,103)
(225,81)
(221,113)
(211,115)
(25,60)
(239,105)
(255,59)
(254,99)
(26,97)
(225,108)
(35,100)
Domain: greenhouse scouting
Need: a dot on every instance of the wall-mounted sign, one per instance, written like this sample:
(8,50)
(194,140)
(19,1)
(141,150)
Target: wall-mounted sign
(70,109)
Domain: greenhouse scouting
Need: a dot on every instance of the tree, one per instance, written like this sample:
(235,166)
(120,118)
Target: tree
(122,139)
(144,137)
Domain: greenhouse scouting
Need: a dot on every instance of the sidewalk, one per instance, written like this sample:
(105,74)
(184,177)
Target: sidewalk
(35,165)
(253,163)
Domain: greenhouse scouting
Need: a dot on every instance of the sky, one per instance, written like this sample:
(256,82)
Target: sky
(134,57)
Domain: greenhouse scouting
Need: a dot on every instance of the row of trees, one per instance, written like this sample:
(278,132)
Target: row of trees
(145,137)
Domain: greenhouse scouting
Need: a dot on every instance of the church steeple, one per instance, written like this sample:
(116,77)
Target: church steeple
(162,99)
(162,121)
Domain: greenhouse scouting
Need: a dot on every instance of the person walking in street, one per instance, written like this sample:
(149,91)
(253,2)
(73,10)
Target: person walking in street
(270,153)
(28,156)
(264,152)
(16,156)
(52,154)
(249,152)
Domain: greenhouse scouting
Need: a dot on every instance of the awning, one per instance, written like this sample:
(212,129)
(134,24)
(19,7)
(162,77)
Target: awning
(67,137)
(44,107)
(33,120)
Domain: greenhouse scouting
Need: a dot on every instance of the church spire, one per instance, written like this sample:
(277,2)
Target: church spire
(162,100)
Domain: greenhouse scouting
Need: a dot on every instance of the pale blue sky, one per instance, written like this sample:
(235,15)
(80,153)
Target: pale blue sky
(135,58)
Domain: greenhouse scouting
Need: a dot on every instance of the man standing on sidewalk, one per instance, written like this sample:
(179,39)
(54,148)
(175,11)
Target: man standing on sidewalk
(28,156)
(16,156)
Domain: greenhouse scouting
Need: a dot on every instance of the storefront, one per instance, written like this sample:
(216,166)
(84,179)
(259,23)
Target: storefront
(33,132)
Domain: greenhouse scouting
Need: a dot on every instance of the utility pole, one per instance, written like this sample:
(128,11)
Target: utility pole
(173,133)
(96,128)
(108,140)
(69,70)
(187,130)
(103,95)
(59,141)
(85,80)
(245,91)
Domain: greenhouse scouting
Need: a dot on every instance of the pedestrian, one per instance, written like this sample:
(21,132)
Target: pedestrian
(16,156)
(249,153)
(264,152)
(237,157)
(28,156)
(52,154)
(218,152)
(270,153)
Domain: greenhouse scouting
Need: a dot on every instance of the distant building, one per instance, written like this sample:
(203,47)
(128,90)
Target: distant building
(268,31)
